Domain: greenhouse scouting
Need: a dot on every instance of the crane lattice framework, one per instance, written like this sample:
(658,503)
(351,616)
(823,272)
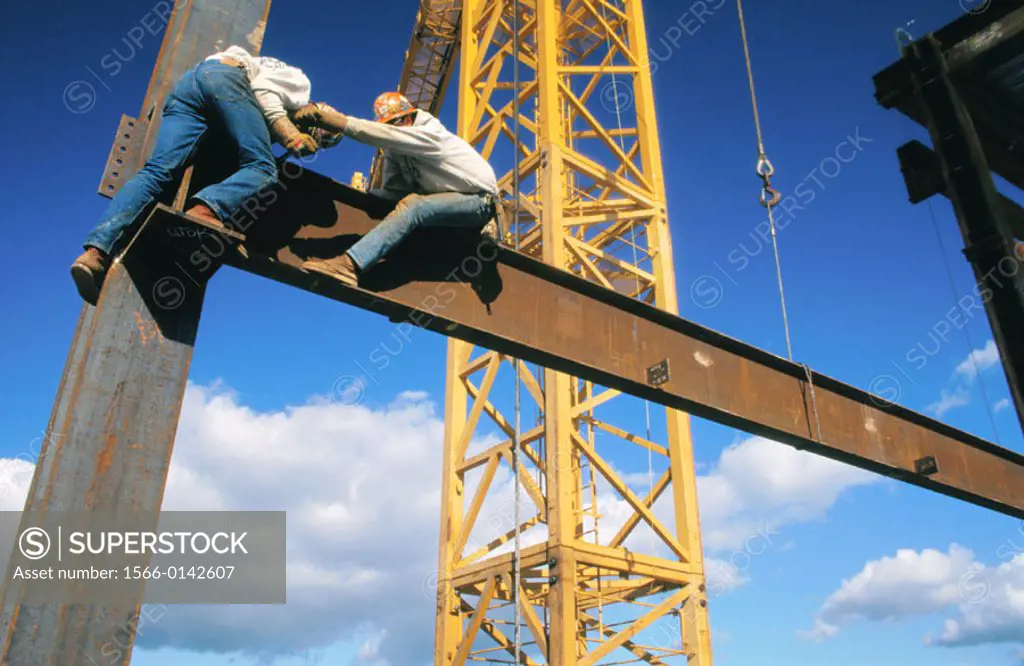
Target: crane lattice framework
(592,202)
(112,428)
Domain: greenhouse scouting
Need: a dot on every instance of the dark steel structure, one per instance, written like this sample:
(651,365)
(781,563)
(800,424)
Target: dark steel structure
(965,84)
(516,305)
(113,423)
(114,419)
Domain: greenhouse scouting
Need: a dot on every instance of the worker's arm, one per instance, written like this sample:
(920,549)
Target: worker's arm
(413,140)
(280,88)
(408,139)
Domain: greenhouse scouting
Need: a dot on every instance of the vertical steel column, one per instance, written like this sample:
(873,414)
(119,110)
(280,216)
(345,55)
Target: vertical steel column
(988,244)
(112,428)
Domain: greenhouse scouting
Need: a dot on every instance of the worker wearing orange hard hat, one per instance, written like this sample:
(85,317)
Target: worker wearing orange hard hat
(438,179)
(241,97)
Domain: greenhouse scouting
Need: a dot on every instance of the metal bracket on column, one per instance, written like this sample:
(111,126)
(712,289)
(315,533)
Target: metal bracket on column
(125,155)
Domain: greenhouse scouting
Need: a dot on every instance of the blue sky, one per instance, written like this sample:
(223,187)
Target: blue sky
(865,277)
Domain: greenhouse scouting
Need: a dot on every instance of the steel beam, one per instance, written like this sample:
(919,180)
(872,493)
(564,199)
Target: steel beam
(988,240)
(518,306)
(998,42)
(113,422)
(922,173)
(977,42)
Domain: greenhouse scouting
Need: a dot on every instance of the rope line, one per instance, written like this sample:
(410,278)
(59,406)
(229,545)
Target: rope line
(765,170)
(967,334)
(814,402)
(516,565)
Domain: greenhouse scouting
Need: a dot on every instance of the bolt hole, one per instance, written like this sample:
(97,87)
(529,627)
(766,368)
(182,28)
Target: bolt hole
(114,174)
(123,149)
(110,187)
(119,161)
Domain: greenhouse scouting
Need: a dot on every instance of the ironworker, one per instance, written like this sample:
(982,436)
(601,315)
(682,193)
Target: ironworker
(438,179)
(244,97)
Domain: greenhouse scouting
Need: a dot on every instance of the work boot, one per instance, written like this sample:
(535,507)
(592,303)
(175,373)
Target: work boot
(88,272)
(340,268)
(205,213)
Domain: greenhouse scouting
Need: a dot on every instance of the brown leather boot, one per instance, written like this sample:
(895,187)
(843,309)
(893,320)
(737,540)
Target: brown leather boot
(340,268)
(205,213)
(88,272)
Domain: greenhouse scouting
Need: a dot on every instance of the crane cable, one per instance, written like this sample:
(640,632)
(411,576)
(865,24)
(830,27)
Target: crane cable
(517,443)
(769,195)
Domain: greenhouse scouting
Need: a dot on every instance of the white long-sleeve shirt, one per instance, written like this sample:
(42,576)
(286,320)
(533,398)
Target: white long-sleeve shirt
(278,87)
(424,158)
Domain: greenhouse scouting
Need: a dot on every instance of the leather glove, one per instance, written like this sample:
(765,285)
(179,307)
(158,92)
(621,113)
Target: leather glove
(289,136)
(319,114)
(307,117)
(302,144)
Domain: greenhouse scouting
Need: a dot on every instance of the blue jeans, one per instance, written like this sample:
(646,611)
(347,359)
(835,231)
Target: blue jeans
(214,96)
(445,209)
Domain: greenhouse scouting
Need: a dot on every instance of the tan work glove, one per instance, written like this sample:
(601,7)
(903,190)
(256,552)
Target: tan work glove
(321,115)
(288,135)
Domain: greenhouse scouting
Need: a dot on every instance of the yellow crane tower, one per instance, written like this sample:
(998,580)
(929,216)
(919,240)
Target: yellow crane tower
(579,144)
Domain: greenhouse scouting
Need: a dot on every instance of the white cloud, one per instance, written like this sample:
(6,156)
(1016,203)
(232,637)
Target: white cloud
(978,360)
(1001,405)
(362,492)
(950,400)
(987,601)
(722,576)
(822,631)
(759,484)
(993,608)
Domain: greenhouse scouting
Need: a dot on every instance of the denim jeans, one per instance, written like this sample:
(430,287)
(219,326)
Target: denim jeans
(210,96)
(445,209)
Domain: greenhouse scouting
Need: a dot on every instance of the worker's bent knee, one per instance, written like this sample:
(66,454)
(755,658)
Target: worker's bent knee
(267,170)
(270,178)
(157,173)
(408,201)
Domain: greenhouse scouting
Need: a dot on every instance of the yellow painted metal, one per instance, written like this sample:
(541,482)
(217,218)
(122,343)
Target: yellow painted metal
(432,50)
(594,587)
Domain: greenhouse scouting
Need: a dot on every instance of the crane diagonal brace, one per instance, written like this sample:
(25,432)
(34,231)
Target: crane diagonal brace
(451,283)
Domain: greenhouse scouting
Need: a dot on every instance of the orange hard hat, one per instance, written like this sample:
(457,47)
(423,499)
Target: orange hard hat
(391,105)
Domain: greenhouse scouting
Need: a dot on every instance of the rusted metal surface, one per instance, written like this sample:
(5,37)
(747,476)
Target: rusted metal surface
(125,156)
(988,241)
(510,303)
(922,173)
(115,415)
(986,47)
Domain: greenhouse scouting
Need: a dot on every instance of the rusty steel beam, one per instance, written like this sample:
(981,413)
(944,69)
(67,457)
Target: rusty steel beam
(988,241)
(113,422)
(998,42)
(978,42)
(922,174)
(505,301)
